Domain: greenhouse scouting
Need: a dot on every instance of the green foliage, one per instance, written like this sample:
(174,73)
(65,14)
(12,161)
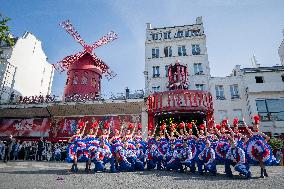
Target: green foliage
(275,143)
(5,30)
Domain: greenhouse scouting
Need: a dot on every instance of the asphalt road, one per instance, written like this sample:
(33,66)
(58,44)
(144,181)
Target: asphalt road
(57,175)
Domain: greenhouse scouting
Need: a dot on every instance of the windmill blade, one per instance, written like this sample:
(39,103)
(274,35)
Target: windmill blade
(67,25)
(110,74)
(64,64)
(105,39)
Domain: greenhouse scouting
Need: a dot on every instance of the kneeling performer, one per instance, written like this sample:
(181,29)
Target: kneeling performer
(207,158)
(236,157)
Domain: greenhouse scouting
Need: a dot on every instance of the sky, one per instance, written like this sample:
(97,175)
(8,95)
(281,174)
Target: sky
(235,30)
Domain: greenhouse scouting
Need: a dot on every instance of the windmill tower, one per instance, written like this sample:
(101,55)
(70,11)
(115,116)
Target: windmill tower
(84,69)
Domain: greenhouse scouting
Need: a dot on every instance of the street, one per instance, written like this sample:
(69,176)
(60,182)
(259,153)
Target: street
(56,175)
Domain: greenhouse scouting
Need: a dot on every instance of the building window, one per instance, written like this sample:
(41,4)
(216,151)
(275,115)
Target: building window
(155,36)
(156,71)
(222,114)
(234,91)
(195,49)
(195,32)
(237,113)
(199,87)
(155,52)
(181,50)
(167,71)
(187,33)
(156,89)
(167,35)
(198,70)
(270,109)
(168,51)
(84,80)
(94,82)
(220,92)
(75,80)
(179,34)
(259,79)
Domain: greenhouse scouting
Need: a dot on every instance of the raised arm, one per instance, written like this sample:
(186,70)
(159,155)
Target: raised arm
(205,128)
(83,131)
(197,131)
(121,128)
(132,132)
(184,130)
(217,131)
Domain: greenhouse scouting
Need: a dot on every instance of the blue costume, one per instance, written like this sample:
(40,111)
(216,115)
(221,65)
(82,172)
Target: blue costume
(207,158)
(222,148)
(151,153)
(258,150)
(190,154)
(102,157)
(236,157)
(162,149)
(177,158)
(92,144)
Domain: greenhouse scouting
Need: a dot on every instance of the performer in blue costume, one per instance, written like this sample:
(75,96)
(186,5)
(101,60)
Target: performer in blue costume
(236,157)
(177,155)
(239,138)
(151,150)
(132,158)
(191,150)
(177,158)
(138,139)
(207,158)
(223,144)
(122,164)
(102,157)
(74,147)
(258,151)
(140,154)
(201,138)
(172,140)
(92,144)
(162,149)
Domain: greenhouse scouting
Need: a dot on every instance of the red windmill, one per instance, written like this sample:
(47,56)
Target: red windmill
(84,68)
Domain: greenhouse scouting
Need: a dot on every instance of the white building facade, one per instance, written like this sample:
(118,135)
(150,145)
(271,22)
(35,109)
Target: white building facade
(243,94)
(251,91)
(281,50)
(165,46)
(24,69)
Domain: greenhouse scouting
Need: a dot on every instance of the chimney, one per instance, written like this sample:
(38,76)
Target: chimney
(127,93)
(199,20)
(149,26)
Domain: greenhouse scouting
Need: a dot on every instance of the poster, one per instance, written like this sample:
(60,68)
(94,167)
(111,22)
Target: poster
(34,127)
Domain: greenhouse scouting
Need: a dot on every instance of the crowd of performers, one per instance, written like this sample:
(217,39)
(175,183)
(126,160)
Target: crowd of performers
(175,147)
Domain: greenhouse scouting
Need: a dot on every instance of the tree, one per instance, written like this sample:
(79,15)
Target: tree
(5,30)
(275,143)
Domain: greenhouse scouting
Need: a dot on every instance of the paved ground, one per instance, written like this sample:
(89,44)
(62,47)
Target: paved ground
(56,175)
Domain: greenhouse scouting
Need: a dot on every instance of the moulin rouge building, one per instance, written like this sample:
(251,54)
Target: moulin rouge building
(178,87)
